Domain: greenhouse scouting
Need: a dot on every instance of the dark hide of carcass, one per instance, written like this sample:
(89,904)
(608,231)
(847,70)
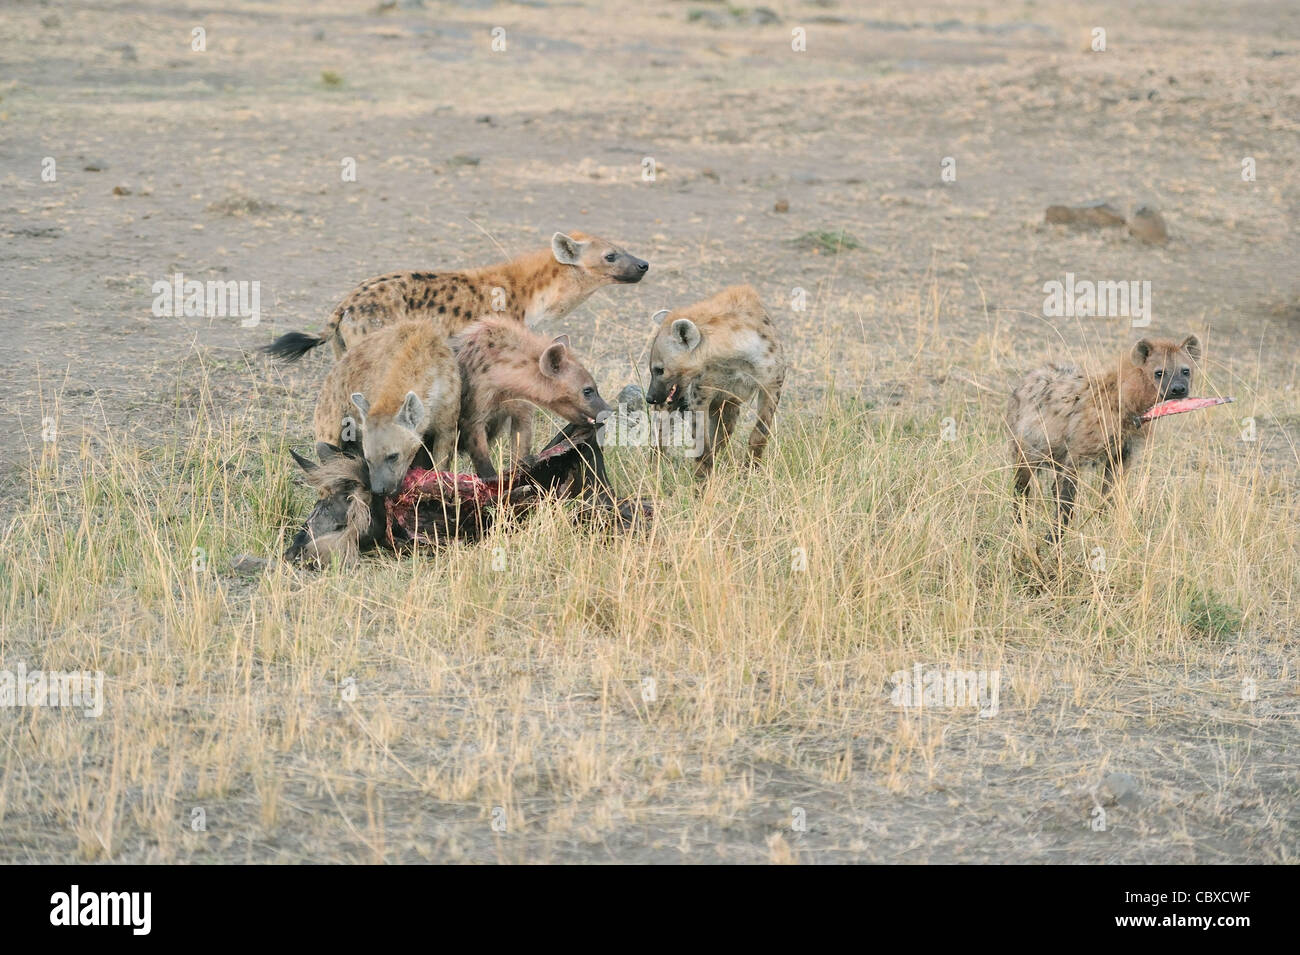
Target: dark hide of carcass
(434,506)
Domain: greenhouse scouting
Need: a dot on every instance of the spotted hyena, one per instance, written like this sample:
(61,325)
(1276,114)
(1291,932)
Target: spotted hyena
(504,367)
(714,356)
(548,283)
(396,394)
(1062,419)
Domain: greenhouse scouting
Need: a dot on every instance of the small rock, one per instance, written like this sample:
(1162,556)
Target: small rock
(485,119)
(631,397)
(318,36)
(95,165)
(1091,215)
(51,21)
(127,51)
(1149,226)
(248,564)
(460,159)
(1116,788)
(121,191)
(707,173)
(760,16)
(782,205)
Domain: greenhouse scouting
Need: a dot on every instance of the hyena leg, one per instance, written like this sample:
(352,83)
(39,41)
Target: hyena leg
(521,429)
(1067,483)
(704,466)
(1024,477)
(1113,471)
(728,410)
(479,453)
(443,447)
(767,401)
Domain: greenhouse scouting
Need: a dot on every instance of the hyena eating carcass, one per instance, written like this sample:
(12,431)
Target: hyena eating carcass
(402,386)
(502,366)
(712,357)
(1062,419)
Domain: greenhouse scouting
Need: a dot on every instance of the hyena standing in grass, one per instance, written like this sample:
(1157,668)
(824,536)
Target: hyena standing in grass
(548,283)
(402,386)
(501,364)
(1062,419)
(712,357)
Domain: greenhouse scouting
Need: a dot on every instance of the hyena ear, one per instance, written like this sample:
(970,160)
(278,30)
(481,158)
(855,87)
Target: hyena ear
(1141,350)
(412,411)
(566,249)
(363,406)
(562,340)
(686,334)
(658,316)
(1192,345)
(552,359)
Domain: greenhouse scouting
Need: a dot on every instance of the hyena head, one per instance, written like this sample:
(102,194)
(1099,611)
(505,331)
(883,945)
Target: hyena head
(600,261)
(342,523)
(390,441)
(570,390)
(1166,365)
(674,363)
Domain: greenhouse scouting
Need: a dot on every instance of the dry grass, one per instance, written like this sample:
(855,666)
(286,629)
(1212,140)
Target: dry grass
(516,697)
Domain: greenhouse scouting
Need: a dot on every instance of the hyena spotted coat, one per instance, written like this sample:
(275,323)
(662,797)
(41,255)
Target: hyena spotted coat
(548,283)
(714,356)
(503,364)
(399,389)
(1062,419)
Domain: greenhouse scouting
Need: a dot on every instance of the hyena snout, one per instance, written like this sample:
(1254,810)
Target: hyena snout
(1176,385)
(593,407)
(386,473)
(630,269)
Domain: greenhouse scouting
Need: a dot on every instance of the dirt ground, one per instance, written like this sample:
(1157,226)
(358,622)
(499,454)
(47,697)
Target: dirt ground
(226,164)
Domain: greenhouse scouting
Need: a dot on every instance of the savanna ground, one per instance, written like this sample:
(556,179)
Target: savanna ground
(769,608)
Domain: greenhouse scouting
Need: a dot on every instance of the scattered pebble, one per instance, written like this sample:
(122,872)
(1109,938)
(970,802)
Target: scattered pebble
(631,397)
(782,205)
(1116,788)
(1149,226)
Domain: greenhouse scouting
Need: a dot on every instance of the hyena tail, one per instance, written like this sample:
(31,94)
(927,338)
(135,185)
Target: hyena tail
(293,345)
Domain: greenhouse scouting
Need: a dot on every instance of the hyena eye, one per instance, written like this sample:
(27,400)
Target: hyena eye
(657,370)
(611,256)
(1160,372)
(1187,371)
(588,391)
(392,458)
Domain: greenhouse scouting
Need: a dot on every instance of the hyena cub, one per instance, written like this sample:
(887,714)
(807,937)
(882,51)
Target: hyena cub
(503,367)
(404,385)
(1062,419)
(548,283)
(712,357)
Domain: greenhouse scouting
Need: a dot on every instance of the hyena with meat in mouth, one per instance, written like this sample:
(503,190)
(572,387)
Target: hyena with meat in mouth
(1062,419)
